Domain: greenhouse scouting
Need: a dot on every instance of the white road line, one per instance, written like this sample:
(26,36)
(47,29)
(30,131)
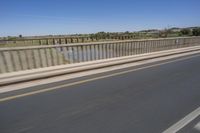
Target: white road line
(183,122)
(197,127)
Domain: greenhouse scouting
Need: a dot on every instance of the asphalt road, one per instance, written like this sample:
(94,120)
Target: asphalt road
(144,101)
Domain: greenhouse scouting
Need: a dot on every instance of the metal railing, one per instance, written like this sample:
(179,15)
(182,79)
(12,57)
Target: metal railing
(24,58)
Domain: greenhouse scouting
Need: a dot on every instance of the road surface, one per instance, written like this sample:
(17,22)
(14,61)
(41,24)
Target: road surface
(148,100)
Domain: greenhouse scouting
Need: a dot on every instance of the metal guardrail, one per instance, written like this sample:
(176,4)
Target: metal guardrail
(24,58)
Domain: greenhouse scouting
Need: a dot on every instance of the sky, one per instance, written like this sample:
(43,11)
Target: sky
(58,17)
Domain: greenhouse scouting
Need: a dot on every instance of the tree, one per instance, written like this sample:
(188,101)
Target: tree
(20,36)
(196,32)
(185,31)
(127,33)
(165,33)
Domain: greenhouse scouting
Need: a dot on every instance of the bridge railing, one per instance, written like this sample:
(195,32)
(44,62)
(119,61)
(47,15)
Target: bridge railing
(25,58)
(35,41)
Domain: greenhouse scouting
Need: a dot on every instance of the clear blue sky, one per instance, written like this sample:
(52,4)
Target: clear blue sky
(44,17)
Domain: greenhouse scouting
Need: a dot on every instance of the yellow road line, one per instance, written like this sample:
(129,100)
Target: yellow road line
(87,80)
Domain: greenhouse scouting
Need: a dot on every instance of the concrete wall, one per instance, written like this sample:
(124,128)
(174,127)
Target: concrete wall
(25,58)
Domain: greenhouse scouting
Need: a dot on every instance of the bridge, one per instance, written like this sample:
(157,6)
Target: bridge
(142,86)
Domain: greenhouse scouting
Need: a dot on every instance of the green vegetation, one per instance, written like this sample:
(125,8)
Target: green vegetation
(185,32)
(153,33)
(196,32)
(100,36)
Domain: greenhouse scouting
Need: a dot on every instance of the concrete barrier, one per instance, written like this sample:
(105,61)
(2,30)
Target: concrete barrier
(35,57)
(29,75)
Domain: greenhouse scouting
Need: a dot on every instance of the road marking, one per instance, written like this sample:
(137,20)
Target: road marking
(197,127)
(88,80)
(183,122)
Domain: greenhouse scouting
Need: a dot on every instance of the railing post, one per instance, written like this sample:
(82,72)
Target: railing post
(2,63)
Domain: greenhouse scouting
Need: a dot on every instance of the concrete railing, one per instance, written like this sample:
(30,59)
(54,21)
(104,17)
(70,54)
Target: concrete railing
(25,58)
